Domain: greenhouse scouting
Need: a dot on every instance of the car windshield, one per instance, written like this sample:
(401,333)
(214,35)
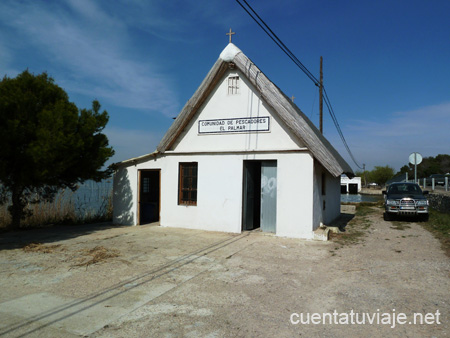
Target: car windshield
(404,189)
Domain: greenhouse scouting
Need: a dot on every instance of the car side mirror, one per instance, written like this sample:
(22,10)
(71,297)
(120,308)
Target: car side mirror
(384,192)
(425,192)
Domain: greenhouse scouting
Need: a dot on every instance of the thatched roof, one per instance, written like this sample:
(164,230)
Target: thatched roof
(289,113)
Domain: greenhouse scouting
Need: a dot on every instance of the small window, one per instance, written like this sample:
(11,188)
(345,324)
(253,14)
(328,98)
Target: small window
(324,188)
(187,194)
(233,85)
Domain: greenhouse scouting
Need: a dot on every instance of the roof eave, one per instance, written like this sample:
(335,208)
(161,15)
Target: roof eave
(135,160)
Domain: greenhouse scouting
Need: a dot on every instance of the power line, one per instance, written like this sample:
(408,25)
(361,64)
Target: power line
(261,23)
(314,102)
(299,64)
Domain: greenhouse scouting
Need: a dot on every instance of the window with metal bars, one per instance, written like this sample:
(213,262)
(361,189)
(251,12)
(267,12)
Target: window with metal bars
(187,194)
(233,85)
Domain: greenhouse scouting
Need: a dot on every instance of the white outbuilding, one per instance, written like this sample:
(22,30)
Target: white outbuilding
(239,156)
(350,185)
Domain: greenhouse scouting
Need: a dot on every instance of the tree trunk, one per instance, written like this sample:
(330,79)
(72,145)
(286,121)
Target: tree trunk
(16,209)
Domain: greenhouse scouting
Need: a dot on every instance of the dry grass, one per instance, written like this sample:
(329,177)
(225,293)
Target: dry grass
(439,226)
(97,254)
(84,257)
(400,225)
(357,227)
(39,247)
(67,208)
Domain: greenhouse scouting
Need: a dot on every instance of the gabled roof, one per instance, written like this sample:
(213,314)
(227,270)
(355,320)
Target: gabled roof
(289,113)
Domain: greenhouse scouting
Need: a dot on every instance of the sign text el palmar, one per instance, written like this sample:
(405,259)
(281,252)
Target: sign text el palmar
(236,125)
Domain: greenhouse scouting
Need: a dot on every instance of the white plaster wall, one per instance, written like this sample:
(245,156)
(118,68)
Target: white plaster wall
(220,175)
(221,105)
(219,200)
(125,196)
(219,194)
(220,184)
(317,198)
(125,191)
(355,180)
(333,199)
(295,195)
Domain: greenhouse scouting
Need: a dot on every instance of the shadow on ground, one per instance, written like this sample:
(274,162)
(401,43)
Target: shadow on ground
(21,238)
(343,221)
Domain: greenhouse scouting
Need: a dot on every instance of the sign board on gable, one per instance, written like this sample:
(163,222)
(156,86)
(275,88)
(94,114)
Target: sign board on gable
(236,125)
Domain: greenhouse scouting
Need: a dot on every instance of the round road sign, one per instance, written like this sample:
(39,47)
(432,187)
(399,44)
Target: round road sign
(415,158)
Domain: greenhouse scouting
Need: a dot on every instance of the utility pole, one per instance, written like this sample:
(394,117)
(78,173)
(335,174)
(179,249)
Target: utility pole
(364,172)
(321,95)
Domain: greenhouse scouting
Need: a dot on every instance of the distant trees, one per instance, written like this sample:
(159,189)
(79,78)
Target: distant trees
(46,142)
(430,165)
(379,175)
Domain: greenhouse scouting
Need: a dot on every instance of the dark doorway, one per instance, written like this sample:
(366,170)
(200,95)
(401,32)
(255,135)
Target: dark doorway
(149,196)
(252,195)
(352,188)
(259,196)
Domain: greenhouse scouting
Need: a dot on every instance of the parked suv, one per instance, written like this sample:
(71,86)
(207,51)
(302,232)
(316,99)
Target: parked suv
(438,179)
(405,199)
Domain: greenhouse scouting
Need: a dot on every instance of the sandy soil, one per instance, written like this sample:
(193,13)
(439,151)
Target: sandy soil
(105,281)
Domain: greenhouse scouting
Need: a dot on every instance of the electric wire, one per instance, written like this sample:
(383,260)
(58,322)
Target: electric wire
(261,23)
(314,103)
(278,41)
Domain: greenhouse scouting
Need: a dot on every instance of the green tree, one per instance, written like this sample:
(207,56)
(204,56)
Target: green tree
(364,176)
(406,169)
(359,173)
(380,175)
(429,165)
(46,142)
(444,163)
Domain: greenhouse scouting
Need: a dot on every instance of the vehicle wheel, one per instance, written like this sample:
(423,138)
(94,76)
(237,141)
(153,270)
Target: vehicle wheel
(424,218)
(387,217)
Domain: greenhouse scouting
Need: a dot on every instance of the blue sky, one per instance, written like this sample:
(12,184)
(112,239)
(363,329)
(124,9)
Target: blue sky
(386,63)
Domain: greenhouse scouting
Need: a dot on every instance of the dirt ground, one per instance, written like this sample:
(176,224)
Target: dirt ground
(149,281)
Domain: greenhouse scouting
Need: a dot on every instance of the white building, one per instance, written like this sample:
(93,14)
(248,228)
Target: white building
(240,155)
(350,185)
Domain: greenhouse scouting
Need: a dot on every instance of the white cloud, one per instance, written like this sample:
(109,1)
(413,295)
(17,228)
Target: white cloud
(186,17)
(91,12)
(91,49)
(429,119)
(389,142)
